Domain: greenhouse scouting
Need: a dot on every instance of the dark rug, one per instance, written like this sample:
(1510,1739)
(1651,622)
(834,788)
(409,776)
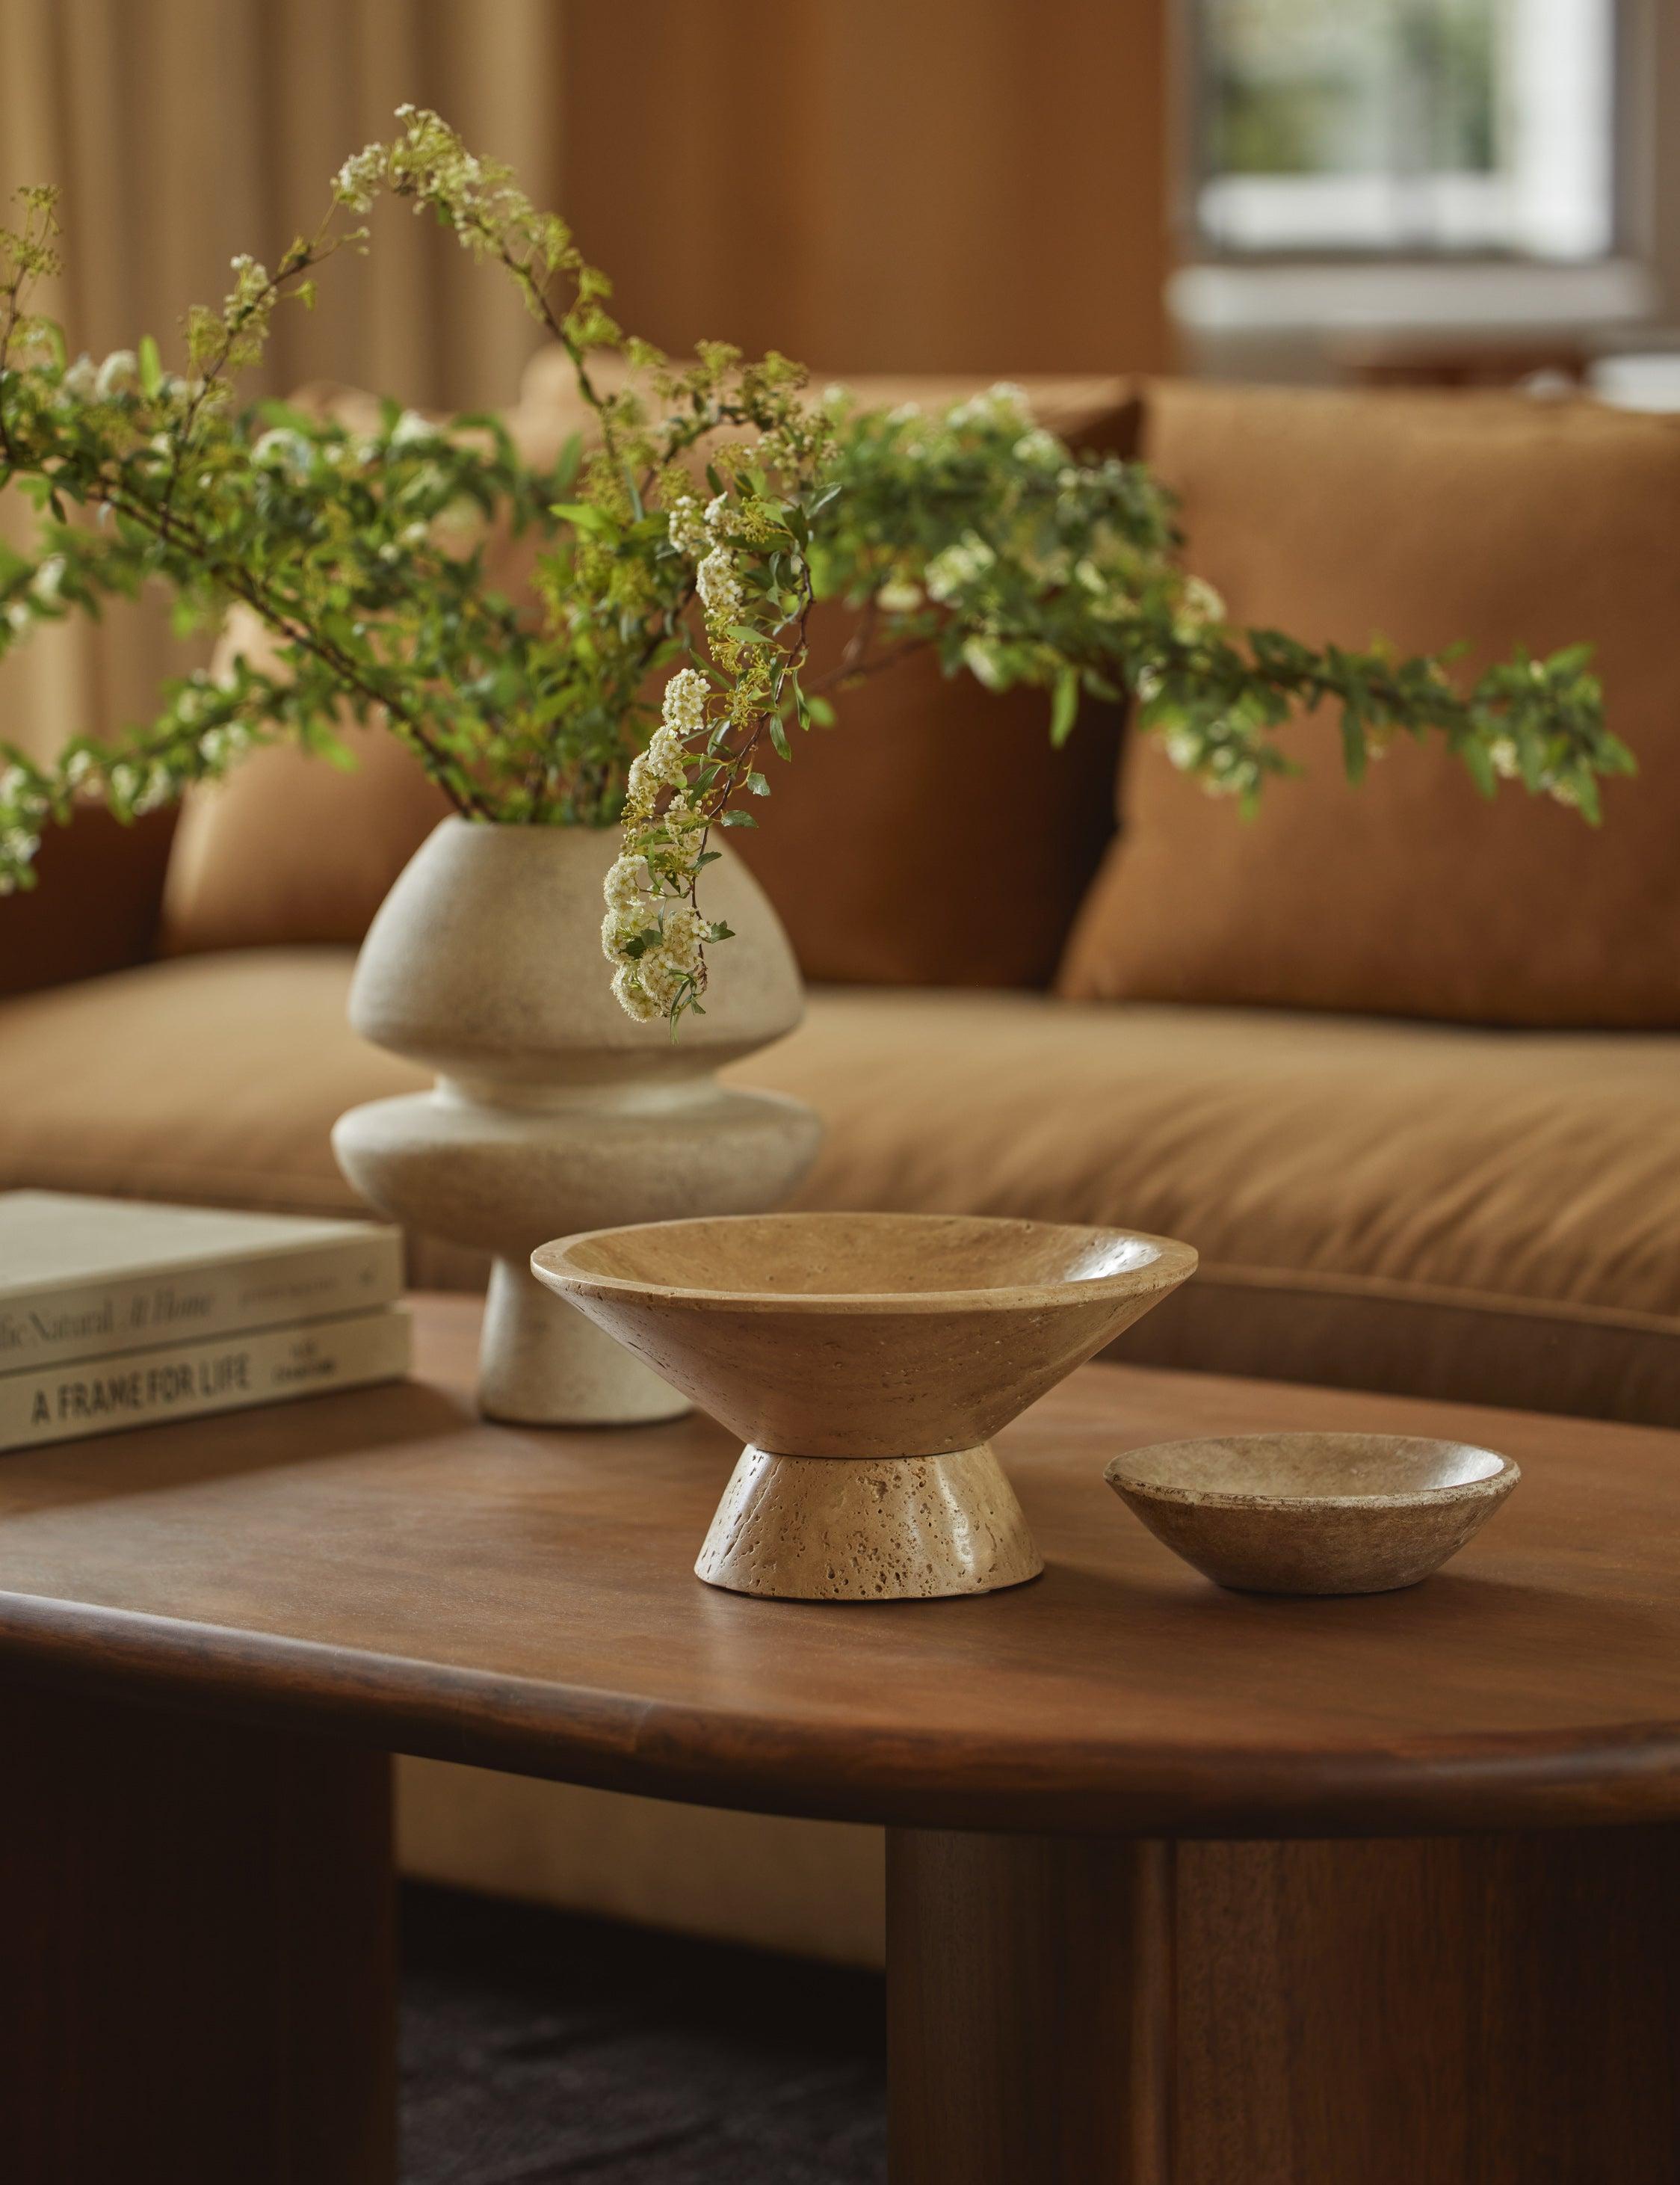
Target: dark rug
(537,2048)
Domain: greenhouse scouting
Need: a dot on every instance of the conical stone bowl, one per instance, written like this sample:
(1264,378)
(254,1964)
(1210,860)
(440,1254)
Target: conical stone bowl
(866,1360)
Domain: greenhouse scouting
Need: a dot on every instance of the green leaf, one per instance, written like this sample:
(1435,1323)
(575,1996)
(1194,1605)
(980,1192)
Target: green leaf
(151,365)
(1614,756)
(1352,743)
(584,516)
(1064,706)
(821,712)
(779,739)
(1474,756)
(736,819)
(757,786)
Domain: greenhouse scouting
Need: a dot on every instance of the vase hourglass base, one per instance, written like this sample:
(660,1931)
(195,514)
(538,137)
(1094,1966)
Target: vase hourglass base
(541,1363)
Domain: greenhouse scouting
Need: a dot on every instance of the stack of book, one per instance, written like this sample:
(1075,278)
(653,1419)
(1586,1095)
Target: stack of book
(114,1313)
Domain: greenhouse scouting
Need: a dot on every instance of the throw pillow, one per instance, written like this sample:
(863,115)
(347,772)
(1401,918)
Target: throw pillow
(1430,518)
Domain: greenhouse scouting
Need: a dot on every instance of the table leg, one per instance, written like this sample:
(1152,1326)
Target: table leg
(1480,2010)
(1471,2010)
(197,1952)
(1029,2010)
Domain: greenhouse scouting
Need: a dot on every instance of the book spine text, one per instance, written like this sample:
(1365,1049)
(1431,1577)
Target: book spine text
(138,1312)
(183,1380)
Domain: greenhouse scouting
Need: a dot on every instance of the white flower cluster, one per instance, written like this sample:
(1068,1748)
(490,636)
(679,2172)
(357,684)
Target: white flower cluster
(81,380)
(723,520)
(958,565)
(719,585)
(17,846)
(652,933)
(899,595)
(663,765)
(45,589)
(20,797)
(411,430)
(981,658)
(120,374)
(1226,771)
(137,789)
(429,163)
(1003,405)
(1506,761)
(115,375)
(359,181)
(654,940)
(284,449)
(704,535)
(687,525)
(1198,605)
(683,708)
(1040,449)
(1110,597)
(650,985)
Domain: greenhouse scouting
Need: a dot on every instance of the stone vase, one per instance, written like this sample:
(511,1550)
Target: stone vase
(553,1111)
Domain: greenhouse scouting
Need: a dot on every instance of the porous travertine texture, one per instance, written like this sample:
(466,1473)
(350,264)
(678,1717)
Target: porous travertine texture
(865,1335)
(554,1111)
(878,1528)
(1313,1513)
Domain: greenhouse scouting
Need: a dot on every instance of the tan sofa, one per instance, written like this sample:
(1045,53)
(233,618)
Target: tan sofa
(1379,1203)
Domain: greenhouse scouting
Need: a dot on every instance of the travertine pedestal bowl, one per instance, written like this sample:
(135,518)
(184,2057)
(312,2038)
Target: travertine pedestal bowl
(1313,1512)
(866,1360)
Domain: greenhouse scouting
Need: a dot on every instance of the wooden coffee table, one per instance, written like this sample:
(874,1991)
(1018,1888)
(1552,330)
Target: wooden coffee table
(1183,1886)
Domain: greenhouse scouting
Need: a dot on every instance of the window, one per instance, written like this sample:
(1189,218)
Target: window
(1406,128)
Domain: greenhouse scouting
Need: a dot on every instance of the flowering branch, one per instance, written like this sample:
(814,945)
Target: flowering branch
(684,549)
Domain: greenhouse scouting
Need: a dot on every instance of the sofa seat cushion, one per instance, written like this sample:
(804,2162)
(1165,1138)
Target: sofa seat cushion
(1474,1214)
(1482,1215)
(211,1080)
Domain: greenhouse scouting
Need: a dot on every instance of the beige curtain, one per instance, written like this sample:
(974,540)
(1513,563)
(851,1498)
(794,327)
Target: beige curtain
(870,185)
(182,131)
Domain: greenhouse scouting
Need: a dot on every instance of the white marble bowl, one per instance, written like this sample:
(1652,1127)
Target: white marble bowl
(1313,1513)
(866,1360)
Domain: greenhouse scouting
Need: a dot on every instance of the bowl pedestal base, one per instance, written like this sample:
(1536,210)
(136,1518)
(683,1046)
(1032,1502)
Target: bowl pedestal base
(869,1528)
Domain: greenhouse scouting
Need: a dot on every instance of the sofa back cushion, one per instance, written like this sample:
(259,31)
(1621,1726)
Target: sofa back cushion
(95,904)
(1428,519)
(933,837)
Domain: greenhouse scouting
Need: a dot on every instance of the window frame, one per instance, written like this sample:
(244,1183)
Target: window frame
(1633,137)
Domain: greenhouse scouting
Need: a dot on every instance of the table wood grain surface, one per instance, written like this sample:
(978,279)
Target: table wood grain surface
(388,1568)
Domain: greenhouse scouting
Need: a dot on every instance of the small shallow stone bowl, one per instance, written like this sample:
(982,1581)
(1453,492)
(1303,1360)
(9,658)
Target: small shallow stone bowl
(1313,1513)
(866,1360)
